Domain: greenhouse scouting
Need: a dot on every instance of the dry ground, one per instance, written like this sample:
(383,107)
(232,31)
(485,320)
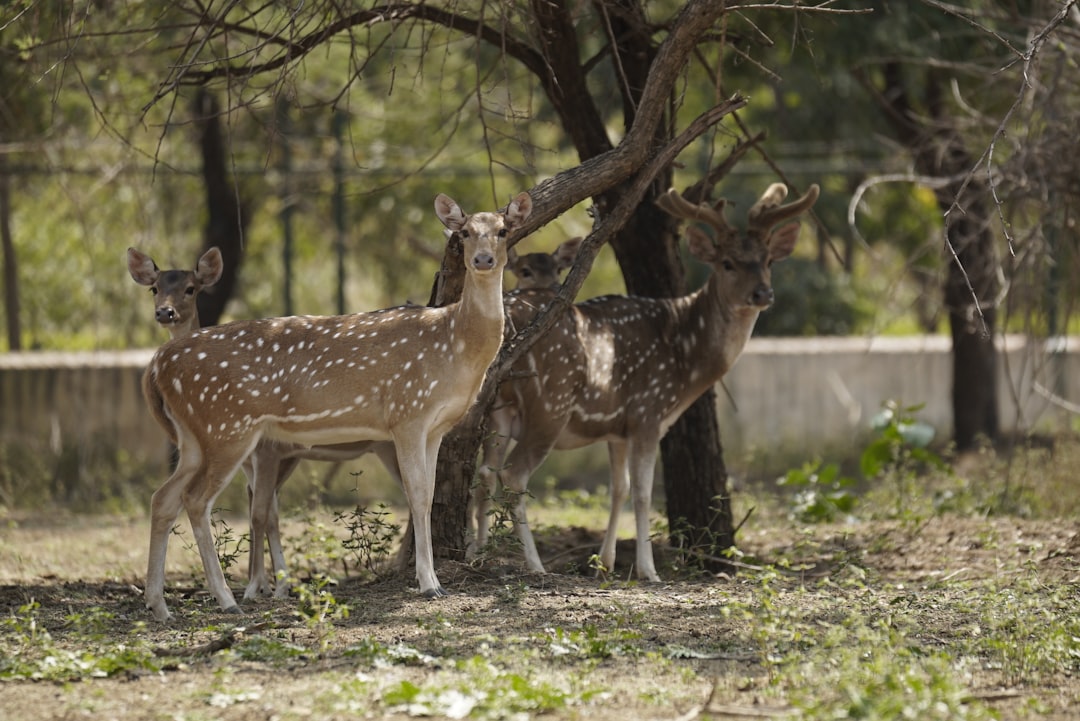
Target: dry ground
(947,618)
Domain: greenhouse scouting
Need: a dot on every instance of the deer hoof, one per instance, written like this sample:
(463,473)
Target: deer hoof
(236,610)
(436,592)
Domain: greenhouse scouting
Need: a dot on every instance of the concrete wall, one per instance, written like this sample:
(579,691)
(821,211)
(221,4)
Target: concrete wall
(800,396)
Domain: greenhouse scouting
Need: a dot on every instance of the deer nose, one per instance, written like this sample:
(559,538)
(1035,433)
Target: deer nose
(762,296)
(165,314)
(483,261)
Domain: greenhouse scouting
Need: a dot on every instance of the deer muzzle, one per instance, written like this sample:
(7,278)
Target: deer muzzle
(762,296)
(166,315)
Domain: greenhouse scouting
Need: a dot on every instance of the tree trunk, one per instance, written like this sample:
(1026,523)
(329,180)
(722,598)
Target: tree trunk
(11,266)
(646,248)
(225,217)
(971,282)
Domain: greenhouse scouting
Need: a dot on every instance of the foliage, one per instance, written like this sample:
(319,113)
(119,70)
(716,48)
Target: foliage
(897,453)
(811,301)
(28,650)
(371,535)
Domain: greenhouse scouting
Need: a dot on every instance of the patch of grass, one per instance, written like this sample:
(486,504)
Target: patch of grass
(481,689)
(28,651)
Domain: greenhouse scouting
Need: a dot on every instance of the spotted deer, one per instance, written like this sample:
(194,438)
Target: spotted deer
(175,295)
(622,369)
(278,460)
(404,375)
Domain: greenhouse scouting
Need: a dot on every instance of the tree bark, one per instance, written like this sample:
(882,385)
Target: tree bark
(646,247)
(226,218)
(11,264)
(971,282)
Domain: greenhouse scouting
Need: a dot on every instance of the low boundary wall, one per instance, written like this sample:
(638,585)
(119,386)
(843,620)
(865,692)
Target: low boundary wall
(804,396)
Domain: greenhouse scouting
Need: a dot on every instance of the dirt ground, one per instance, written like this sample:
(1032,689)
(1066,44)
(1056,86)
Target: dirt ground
(509,644)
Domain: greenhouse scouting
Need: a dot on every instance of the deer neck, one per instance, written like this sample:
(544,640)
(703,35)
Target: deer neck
(727,328)
(476,323)
(186,329)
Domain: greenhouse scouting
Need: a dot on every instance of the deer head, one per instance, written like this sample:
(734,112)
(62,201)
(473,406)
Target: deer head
(175,291)
(541,270)
(743,262)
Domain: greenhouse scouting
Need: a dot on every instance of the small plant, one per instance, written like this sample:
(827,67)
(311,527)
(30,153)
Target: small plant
(229,546)
(899,454)
(371,535)
(318,609)
(822,494)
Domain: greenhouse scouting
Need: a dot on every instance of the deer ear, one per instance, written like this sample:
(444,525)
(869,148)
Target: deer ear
(518,210)
(142,267)
(566,252)
(782,241)
(701,245)
(449,212)
(210,267)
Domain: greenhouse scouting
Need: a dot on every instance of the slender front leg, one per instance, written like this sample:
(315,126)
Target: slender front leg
(418,478)
(165,508)
(642,468)
(620,487)
(213,475)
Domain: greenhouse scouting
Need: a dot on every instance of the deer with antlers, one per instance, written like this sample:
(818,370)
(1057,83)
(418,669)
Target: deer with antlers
(404,375)
(621,369)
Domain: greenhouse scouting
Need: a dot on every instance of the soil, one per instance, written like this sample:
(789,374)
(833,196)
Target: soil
(682,649)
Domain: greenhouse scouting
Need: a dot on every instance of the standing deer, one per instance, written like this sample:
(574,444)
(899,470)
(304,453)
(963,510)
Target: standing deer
(404,375)
(622,369)
(175,294)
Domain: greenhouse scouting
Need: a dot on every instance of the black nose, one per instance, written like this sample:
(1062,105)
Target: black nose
(483,261)
(762,296)
(165,314)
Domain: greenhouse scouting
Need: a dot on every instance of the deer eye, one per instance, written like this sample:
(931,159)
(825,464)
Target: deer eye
(153,290)
(502,232)
(526,273)
(190,290)
(727,265)
(463,233)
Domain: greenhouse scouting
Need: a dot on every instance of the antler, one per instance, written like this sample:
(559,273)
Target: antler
(675,204)
(768,211)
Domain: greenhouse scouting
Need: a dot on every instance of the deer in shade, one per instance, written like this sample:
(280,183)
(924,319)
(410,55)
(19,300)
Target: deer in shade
(175,294)
(621,369)
(404,375)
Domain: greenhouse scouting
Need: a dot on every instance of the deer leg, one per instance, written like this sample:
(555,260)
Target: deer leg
(483,493)
(522,461)
(165,507)
(417,454)
(620,487)
(642,469)
(262,485)
(278,564)
(214,474)
(386,453)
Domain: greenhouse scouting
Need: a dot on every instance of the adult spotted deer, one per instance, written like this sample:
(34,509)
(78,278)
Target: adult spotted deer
(621,369)
(175,294)
(404,375)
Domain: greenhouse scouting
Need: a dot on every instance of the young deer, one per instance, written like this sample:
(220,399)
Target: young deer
(622,369)
(541,270)
(404,375)
(175,293)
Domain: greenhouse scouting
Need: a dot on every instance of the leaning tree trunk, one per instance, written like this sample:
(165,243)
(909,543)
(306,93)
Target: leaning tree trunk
(225,217)
(649,256)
